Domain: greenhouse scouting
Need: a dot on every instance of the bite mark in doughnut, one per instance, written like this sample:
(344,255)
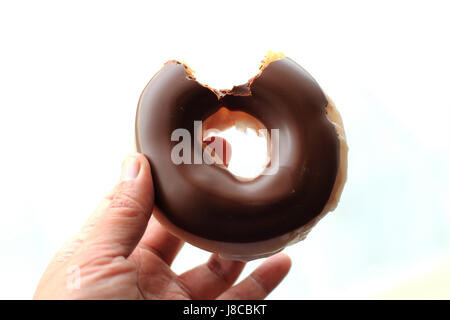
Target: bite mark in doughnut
(211,208)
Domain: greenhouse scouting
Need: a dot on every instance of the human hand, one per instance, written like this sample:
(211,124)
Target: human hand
(123,253)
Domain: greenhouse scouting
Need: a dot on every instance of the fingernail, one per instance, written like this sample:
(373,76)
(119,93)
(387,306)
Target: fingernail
(130,169)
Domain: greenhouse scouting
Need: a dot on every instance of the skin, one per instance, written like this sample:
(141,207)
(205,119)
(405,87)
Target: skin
(123,253)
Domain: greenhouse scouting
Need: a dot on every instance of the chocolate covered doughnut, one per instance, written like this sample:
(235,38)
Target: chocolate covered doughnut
(208,206)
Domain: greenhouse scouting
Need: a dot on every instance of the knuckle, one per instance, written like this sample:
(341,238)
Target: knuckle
(215,266)
(128,203)
(260,284)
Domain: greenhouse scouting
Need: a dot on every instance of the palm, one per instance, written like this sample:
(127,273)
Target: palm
(155,279)
(146,274)
(120,254)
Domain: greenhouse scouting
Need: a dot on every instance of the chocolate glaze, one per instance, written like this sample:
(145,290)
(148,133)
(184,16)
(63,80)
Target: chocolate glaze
(207,200)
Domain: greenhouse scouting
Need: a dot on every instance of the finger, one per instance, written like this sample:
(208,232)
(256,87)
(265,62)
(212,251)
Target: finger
(261,281)
(209,280)
(159,241)
(120,220)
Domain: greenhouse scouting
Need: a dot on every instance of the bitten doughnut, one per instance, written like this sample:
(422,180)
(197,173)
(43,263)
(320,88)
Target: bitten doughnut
(206,205)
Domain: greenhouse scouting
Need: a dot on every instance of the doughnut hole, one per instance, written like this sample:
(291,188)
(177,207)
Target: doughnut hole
(238,142)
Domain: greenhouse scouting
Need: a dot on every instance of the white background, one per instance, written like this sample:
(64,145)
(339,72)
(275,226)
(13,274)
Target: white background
(71,74)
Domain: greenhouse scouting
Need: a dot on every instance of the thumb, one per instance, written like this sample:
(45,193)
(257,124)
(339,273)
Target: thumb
(120,220)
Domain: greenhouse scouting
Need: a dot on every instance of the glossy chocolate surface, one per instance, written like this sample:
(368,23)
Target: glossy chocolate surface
(207,200)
